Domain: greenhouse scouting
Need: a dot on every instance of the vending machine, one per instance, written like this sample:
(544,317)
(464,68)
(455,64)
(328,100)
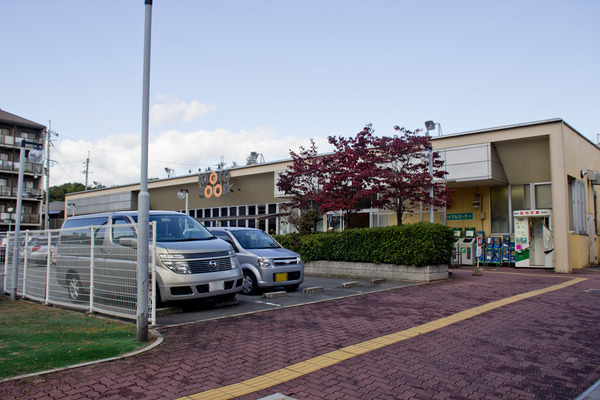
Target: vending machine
(467,247)
(480,246)
(534,242)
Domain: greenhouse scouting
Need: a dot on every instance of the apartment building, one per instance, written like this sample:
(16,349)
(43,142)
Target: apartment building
(13,129)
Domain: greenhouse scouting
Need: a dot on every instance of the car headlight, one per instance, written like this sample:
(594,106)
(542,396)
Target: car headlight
(175,262)
(299,261)
(265,262)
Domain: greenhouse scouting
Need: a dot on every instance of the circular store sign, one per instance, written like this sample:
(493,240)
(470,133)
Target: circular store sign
(213,184)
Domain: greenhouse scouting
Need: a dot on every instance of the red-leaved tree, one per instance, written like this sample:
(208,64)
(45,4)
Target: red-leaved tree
(363,171)
(304,182)
(403,174)
(350,168)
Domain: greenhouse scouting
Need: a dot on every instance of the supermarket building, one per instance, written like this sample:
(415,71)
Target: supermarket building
(536,182)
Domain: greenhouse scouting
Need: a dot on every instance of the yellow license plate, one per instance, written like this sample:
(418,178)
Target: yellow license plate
(281,277)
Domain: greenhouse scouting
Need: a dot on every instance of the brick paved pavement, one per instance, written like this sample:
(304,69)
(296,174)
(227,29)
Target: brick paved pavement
(544,347)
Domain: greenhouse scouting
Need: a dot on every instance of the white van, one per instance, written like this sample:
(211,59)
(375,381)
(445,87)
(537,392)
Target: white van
(191,263)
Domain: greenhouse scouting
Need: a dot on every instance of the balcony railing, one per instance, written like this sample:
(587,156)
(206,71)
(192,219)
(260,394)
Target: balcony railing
(9,140)
(25,218)
(14,166)
(28,193)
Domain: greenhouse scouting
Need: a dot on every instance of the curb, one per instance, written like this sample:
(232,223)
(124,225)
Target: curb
(158,341)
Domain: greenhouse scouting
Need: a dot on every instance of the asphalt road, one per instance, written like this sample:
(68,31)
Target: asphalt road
(314,289)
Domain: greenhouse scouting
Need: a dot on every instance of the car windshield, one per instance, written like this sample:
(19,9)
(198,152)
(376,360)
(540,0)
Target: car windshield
(255,239)
(178,228)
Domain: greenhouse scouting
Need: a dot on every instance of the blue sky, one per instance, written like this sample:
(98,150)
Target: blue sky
(231,77)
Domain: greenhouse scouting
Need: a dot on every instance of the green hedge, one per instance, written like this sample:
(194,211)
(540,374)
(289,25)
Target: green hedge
(415,244)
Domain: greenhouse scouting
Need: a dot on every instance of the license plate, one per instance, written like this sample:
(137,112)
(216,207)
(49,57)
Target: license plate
(216,285)
(281,277)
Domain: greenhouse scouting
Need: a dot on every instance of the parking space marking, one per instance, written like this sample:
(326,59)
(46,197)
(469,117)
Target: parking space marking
(266,302)
(328,359)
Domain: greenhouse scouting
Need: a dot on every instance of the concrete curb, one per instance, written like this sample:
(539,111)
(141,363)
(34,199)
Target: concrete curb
(158,341)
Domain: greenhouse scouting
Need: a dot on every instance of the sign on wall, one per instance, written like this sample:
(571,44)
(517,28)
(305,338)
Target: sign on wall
(459,216)
(213,184)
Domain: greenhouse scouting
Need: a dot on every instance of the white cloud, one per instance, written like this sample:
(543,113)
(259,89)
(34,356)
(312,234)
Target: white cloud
(171,110)
(115,160)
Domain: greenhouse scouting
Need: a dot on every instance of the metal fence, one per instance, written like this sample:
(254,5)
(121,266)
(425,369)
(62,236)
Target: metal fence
(80,272)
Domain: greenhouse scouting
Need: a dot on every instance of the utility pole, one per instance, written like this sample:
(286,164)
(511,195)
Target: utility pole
(49,134)
(87,170)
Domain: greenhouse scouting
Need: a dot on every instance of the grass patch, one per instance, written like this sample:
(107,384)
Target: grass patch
(36,338)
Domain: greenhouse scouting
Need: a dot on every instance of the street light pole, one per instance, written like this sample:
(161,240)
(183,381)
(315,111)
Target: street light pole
(15,260)
(431,185)
(430,126)
(183,194)
(144,196)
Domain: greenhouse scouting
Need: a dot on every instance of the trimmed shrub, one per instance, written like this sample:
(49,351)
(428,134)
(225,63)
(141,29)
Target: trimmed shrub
(415,244)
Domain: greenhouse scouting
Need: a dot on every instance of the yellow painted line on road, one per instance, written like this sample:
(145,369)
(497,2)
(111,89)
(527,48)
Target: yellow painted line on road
(328,359)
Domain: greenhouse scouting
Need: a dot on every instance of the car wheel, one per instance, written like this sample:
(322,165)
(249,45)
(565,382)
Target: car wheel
(249,286)
(292,288)
(74,287)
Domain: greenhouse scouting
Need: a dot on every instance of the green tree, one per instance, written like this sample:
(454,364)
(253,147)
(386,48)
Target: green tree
(57,193)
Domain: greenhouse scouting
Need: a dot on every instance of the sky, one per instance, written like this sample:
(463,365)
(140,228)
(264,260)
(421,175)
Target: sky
(228,78)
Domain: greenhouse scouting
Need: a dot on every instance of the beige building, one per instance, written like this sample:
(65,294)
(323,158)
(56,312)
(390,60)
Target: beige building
(536,183)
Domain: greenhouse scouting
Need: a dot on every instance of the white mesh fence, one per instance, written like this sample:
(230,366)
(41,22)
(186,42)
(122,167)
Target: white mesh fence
(73,268)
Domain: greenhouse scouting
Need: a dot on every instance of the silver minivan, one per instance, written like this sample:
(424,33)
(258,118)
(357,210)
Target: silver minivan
(191,263)
(265,263)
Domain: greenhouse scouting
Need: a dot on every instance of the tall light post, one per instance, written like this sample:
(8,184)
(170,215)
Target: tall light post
(36,156)
(430,126)
(183,194)
(144,196)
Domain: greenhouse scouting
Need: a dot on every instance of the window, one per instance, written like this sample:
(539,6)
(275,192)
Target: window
(499,209)
(543,196)
(576,206)
(596,213)
(272,208)
(122,229)
(520,197)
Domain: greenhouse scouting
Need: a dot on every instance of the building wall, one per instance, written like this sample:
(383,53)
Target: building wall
(582,155)
(485,162)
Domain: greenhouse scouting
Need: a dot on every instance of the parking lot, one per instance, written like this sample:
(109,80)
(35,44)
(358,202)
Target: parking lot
(314,289)
(523,334)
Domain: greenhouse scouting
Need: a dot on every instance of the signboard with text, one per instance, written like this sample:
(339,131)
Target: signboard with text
(459,216)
